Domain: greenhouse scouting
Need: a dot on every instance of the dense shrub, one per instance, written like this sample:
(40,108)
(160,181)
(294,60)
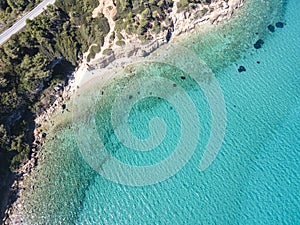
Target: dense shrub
(64,31)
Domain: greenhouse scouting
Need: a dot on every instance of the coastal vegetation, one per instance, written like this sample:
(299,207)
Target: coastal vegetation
(32,63)
(148,17)
(140,16)
(192,4)
(28,61)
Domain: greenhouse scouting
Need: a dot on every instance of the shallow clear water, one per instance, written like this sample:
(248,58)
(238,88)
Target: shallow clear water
(254,178)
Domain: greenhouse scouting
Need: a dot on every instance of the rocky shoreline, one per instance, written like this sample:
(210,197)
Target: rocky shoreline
(133,50)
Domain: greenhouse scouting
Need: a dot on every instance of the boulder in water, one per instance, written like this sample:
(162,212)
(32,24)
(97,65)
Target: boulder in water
(258,44)
(279,25)
(271,28)
(241,69)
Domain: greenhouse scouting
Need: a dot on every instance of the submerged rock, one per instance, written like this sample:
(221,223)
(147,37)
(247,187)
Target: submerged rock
(241,69)
(279,25)
(271,28)
(258,44)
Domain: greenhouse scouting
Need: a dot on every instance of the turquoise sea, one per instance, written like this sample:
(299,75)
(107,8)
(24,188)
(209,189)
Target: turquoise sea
(253,178)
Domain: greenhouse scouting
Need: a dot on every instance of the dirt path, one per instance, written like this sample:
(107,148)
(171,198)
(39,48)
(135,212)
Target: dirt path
(109,10)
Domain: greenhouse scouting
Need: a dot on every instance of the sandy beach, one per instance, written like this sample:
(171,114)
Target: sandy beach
(134,50)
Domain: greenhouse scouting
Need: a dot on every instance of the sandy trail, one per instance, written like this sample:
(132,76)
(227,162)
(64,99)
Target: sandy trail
(109,10)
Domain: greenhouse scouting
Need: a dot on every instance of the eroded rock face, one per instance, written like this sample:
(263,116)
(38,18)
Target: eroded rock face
(107,61)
